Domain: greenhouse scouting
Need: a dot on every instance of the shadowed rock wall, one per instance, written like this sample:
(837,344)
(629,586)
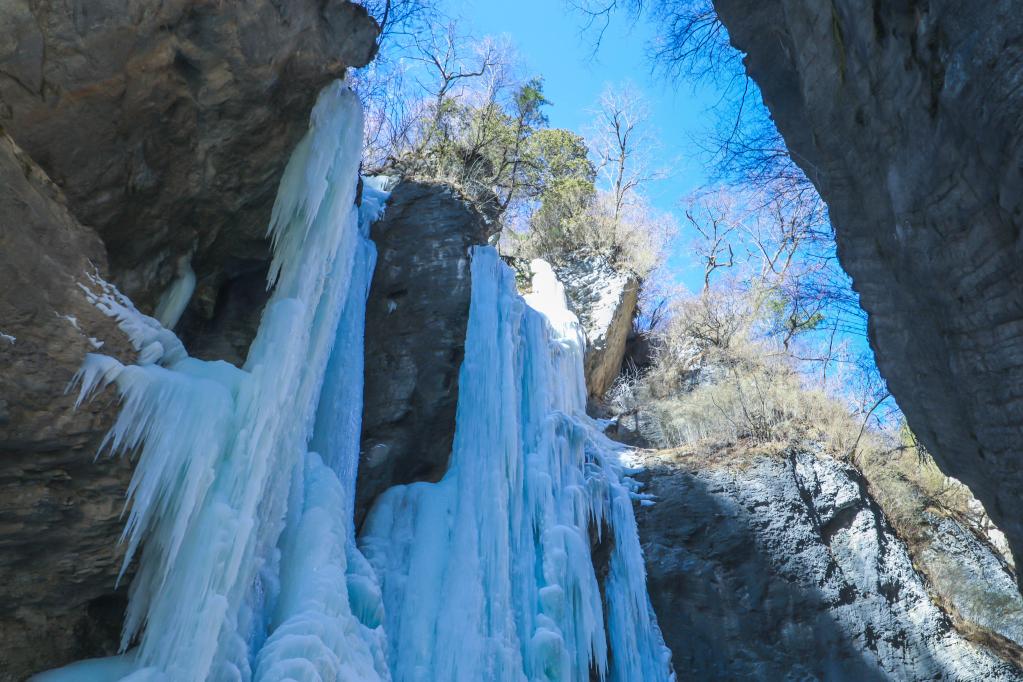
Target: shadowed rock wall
(168,124)
(907,114)
(416,319)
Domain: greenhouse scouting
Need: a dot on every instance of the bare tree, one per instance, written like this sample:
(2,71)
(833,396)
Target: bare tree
(400,17)
(621,140)
(451,60)
(713,221)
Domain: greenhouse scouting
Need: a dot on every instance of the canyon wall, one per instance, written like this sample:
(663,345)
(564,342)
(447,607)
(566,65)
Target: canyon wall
(906,116)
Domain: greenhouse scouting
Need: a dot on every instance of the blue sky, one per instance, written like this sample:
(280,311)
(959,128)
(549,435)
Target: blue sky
(551,43)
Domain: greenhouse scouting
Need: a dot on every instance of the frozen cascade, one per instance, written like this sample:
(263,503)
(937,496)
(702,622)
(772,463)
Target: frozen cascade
(240,507)
(487,574)
(248,569)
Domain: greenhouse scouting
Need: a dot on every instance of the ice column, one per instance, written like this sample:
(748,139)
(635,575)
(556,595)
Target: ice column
(487,574)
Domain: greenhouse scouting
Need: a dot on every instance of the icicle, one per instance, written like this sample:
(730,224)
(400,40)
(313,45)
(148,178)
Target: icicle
(487,574)
(179,293)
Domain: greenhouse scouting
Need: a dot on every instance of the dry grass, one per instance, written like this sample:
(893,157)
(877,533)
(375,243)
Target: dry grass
(710,382)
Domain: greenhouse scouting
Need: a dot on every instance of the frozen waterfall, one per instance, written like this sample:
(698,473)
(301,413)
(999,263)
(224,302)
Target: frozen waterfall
(240,508)
(487,574)
(248,563)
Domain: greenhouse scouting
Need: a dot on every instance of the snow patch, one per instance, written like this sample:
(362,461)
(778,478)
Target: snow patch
(154,343)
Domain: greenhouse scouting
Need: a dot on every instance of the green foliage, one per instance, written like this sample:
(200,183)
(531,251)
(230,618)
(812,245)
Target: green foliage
(479,142)
(788,317)
(562,189)
(468,122)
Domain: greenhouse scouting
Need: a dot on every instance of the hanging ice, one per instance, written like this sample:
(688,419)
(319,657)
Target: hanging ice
(487,574)
(247,563)
(174,301)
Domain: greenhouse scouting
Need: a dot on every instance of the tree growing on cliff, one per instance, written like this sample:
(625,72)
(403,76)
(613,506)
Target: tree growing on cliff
(592,200)
(459,113)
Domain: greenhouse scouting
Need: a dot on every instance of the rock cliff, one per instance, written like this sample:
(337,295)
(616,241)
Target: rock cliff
(782,566)
(168,124)
(139,142)
(905,115)
(605,301)
(416,318)
(60,507)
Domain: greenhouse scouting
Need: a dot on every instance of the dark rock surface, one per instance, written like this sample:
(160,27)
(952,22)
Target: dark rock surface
(783,567)
(168,124)
(59,507)
(906,115)
(416,319)
(223,329)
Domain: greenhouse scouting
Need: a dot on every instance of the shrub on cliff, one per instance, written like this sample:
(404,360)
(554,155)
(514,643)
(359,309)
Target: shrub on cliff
(716,377)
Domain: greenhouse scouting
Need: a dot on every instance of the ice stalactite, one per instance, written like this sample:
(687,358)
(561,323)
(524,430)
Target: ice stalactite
(488,574)
(174,301)
(247,569)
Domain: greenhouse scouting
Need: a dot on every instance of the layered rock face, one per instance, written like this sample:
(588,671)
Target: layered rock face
(784,567)
(59,506)
(905,115)
(605,301)
(416,319)
(168,124)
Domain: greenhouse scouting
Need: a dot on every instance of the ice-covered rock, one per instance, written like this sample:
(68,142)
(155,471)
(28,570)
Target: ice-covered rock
(605,300)
(248,569)
(487,574)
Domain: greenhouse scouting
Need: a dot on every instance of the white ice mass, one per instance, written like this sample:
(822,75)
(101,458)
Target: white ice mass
(240,508)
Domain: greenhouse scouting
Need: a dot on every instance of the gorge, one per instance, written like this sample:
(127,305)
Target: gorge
(373,442)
